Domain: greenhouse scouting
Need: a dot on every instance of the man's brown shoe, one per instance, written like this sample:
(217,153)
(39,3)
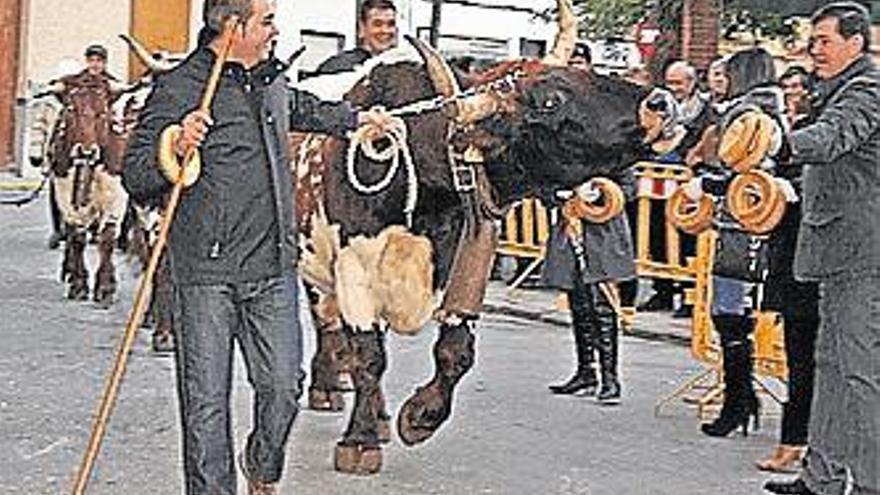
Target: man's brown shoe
(260,488)
(786,459)
(256,487)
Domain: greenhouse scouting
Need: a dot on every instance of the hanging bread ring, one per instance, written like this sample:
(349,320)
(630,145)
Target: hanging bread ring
(746,141)
(755,201)
(689,216)
(610,203)
(169,163)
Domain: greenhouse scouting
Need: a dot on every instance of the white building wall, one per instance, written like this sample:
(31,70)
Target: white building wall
(462,21)
(58,32)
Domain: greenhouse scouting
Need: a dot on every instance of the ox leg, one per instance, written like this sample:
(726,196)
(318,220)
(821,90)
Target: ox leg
(431,405)
(74,271)
(105,278)
(325,391)
(359,451)
(160,308)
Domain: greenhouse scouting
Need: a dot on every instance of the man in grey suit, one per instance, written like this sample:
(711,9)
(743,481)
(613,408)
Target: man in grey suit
(839,246)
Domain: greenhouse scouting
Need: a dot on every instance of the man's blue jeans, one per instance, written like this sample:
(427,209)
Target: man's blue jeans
(264,318)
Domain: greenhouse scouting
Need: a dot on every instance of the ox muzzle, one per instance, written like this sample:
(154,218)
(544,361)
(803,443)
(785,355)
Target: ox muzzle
(84,159)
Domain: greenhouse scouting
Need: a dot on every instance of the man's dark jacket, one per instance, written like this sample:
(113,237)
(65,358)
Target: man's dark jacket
(343,61)
(236,223)
(841,184)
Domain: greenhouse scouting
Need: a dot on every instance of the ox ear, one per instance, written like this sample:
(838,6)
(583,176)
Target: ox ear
(563,45)
(144,55)
(438,70)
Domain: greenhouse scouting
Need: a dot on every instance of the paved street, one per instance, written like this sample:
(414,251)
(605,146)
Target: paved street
(507,436)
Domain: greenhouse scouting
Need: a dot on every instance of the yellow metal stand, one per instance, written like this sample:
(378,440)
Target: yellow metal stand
(524,234)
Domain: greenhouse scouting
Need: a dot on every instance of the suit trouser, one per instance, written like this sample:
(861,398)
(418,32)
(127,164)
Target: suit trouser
(844,453)
(263,317)
(800,350)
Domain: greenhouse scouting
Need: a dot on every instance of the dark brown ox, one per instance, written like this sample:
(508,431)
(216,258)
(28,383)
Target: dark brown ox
(85,158)
(546,128)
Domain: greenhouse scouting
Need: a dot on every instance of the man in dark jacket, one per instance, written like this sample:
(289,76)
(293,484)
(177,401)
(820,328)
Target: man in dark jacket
(233,240)
(377,33)
(839,246)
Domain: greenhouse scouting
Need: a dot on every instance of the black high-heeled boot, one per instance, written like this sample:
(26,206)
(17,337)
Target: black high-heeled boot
(584,381)
(740,402)
(606,325)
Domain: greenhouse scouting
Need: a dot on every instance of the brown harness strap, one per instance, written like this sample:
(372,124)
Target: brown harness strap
(470,273)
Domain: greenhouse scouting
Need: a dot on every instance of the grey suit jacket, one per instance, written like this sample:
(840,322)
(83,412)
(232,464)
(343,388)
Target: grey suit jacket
(841,184)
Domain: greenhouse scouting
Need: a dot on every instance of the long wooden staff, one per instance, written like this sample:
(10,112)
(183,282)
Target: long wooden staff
(111,389)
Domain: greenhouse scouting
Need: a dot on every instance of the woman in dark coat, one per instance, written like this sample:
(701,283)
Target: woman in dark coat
(752,83)
(587,269)
(798,303)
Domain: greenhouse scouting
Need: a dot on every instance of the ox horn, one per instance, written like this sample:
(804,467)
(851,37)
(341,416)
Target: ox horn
(441,74)
(471,109)
(155,66)
(563,45)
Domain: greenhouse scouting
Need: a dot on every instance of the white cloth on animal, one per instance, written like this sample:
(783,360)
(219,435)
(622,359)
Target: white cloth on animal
(108,202)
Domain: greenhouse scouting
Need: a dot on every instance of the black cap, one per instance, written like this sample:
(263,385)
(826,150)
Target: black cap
(582,50)
(96,51)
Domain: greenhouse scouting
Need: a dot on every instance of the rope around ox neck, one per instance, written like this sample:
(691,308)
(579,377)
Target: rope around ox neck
(364,138)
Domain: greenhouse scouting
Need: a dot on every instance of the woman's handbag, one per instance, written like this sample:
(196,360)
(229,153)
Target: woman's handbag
(740,256)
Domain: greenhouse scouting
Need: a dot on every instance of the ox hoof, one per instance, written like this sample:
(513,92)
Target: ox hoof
(104,302)
(163,342)
(78,293)
(322,400)
(422,414)
(383,431)
(357,459)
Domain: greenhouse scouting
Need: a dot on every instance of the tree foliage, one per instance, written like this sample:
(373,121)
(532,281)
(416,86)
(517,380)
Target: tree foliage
(610,18)
(758,24)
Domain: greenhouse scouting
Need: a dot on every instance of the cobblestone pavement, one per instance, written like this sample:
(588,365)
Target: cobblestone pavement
(508,435)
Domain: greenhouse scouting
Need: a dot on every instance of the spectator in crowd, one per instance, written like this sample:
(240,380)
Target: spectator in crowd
(796,85)
(232,242)
(586,260)
(639,75)
(752,83)
(716,79)
(797,302)
(694,114)
(838,246)
(377,33)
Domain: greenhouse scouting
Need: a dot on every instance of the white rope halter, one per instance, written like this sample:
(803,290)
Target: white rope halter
(365,137)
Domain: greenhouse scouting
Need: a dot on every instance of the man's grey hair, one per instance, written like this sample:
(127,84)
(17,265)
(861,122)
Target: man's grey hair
(216,12)
(681,65)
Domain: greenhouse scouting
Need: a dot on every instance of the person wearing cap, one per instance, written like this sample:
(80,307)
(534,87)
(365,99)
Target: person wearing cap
(838,247)
(581,58)
(95,58)
(232,245)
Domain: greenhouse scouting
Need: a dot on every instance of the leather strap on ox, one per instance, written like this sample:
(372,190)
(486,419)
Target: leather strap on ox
(475,253)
